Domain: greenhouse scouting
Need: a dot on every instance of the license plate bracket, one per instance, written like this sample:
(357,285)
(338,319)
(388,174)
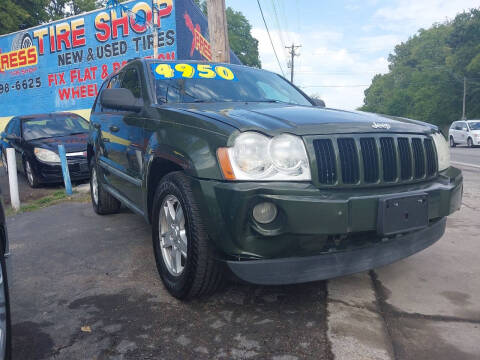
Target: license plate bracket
(402,213)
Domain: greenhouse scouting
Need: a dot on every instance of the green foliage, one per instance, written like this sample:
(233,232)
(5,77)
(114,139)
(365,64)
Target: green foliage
(425,80)
(242,43)
(21,14)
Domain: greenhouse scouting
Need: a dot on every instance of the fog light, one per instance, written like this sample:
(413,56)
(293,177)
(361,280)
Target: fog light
(265,212)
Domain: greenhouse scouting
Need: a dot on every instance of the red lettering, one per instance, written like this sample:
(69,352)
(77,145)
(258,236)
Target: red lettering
(78,33)
(13,59)
(73,75)
(104,31)
(75,92)
(64,94)
(120,22)
(32,55)
(22,57)
(51,79)
(52,39)
(65,38)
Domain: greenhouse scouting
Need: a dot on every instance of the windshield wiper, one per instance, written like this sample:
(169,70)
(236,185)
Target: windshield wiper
(77,133)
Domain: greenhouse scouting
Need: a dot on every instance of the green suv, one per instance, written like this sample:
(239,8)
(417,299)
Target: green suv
(239,172)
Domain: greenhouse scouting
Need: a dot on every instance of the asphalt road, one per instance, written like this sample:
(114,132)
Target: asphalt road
(85,286)
(465,155)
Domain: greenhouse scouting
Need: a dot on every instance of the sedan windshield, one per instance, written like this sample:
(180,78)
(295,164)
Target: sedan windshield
(201,82)
(37,128)
(474,125)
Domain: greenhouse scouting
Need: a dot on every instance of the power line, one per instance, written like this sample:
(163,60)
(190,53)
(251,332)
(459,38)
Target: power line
(271,42)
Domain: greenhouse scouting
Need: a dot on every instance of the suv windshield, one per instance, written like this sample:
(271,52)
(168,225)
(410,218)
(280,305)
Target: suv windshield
(201,82)
(37,128)
(474,125)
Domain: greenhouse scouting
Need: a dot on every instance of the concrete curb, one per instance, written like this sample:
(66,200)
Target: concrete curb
(356,330)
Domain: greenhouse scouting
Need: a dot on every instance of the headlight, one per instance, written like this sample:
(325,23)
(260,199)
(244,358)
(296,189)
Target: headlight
(46,155)
(443,152)
(257,157)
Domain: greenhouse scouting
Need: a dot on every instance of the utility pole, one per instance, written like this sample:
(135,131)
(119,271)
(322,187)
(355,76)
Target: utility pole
(155,29)
(464,97)
(293,53)
(217,29)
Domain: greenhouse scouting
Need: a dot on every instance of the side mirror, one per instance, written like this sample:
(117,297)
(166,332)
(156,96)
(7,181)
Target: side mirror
(318,102)
(121,99)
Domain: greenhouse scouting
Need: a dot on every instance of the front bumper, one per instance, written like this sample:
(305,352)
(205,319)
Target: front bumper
(314,224)
(330,265)
(47,173)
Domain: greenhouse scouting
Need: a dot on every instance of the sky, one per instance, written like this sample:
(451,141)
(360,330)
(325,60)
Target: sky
(344,42)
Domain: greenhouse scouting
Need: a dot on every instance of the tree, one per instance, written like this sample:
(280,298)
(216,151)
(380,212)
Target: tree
(425,79)
(21,14)
(242,43)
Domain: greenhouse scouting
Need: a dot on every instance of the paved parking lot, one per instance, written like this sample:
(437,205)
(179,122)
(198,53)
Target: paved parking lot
(86,287)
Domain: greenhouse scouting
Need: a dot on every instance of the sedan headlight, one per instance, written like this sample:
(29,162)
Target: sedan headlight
(254,156)
(443,152)
(47,155)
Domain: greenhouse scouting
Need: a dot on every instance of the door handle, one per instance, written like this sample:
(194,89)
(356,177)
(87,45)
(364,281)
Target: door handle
(114,128)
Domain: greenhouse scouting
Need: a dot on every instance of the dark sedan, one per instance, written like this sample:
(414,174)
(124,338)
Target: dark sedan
(36,139)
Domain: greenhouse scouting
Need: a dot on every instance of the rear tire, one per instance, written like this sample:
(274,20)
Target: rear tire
(200,273)
(452,142)
(103,203)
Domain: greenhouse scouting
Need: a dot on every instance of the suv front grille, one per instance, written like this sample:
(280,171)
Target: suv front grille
(374,159)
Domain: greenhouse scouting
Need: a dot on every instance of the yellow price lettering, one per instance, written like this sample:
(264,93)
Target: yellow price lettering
(205,71)
(224,72)
(187,70)
(165,70)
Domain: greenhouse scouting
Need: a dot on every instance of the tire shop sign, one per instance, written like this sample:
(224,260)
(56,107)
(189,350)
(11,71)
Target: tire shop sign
(60,66)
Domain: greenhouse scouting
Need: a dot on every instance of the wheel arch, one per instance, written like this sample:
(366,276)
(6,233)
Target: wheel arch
(157,168)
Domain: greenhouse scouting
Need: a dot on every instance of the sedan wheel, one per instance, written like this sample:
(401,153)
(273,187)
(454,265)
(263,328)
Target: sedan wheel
(31,177)
(172,235)
(4,161)
(470,142)
(94,186)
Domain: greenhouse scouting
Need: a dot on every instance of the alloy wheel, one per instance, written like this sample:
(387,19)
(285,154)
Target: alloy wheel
(172,235)
(28,170)
(94,186)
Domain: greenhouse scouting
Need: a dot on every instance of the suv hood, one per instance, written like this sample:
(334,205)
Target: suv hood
(274,118)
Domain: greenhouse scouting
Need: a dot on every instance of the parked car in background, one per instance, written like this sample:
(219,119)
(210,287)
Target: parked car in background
(35,139)
(465,132)
(5,330)
(237,169)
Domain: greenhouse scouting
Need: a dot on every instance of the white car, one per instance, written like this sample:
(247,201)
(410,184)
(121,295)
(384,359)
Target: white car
(466,132)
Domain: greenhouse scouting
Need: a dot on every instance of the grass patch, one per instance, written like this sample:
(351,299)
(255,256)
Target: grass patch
(52,199)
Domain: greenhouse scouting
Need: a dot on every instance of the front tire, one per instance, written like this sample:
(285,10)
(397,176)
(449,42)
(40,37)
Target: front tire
(470,142)
(452,142)
(32,178)
(183,253)
(103,203)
